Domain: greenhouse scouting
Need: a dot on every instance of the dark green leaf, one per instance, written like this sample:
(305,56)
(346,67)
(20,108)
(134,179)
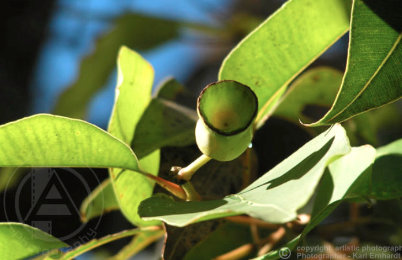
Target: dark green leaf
(386,178)
(164,123)
(314,92)
(373,75)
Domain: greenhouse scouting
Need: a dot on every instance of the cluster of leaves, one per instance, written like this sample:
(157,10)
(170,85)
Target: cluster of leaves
(322,173)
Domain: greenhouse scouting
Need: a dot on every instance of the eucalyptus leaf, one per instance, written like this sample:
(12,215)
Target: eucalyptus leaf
(138,243)
(271,56)
(373,75)
(100,201)
(275,197)
(316,87)
(336,185)
(45,140)
(171,89)
(83,248)
(383,180)
(137,31)
(133,94)
(346,179)
(225,238)
(314,92)
(386,178)
(20,241)
(164,123)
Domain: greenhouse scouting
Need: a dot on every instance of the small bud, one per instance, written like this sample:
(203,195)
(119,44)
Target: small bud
(175,169)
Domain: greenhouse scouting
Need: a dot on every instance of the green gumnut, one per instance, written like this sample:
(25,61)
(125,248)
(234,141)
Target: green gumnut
(226,111)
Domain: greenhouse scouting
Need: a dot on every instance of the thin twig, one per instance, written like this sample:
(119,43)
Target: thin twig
(271,240)
(254,234)
(249,220)
(237,253)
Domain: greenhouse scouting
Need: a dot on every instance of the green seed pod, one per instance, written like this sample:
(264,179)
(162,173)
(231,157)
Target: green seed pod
(226,111)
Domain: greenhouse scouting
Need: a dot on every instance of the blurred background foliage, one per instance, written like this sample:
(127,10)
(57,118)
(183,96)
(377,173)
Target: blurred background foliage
(59,56)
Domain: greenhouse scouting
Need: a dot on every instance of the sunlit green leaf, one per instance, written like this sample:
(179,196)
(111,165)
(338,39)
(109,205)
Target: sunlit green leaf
(52,141)
(19,241)
(347,179)
(275,197)
(337,182)
(271,56)
(373,75)
(133,94)
(336,185)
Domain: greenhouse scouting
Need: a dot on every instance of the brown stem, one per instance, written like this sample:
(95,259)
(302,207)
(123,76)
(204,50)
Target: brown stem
(237,253)
(353,211)
(254,234)
(171,187)
(249,221)
(271,241)
(246,163)
(333,253)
